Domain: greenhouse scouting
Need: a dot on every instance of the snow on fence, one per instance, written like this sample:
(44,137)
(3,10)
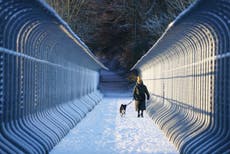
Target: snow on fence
(48,77)
(188,74)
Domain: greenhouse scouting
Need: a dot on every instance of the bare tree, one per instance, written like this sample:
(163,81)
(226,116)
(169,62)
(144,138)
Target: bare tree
(119,30)
(67,9)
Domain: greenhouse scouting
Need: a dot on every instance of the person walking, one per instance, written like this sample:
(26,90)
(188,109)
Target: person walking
(139,94)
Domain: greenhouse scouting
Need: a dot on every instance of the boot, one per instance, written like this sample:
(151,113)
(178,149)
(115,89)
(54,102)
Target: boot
(138,114)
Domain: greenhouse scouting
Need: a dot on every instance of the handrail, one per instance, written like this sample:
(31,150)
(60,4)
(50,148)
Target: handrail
(187,72)
(48,77)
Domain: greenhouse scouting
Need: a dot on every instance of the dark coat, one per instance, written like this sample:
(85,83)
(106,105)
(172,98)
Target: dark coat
(139,94)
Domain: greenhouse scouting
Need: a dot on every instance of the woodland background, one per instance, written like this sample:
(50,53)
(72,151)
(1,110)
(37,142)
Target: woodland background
(119,32)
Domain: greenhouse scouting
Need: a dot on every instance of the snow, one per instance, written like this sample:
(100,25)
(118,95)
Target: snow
(104,131)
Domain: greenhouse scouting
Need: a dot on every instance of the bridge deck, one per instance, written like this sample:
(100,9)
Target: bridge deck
(104,131)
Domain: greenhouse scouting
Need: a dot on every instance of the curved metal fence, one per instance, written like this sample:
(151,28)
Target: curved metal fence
(188,73)
(48,77)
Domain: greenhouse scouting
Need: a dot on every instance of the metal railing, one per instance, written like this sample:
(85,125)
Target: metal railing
(188,74)
(48,77)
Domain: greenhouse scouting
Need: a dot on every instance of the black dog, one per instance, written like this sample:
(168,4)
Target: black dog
(122,109)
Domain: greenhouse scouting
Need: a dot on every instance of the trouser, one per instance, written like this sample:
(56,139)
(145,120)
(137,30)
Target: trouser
(139,108)
(140,113)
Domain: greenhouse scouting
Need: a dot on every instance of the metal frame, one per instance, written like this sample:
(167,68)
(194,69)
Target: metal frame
(187,72)
(48,77)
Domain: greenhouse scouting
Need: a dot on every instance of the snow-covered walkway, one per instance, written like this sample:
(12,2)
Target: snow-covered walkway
(103,131)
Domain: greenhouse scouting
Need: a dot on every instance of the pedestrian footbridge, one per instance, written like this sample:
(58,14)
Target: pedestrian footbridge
(49,78)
